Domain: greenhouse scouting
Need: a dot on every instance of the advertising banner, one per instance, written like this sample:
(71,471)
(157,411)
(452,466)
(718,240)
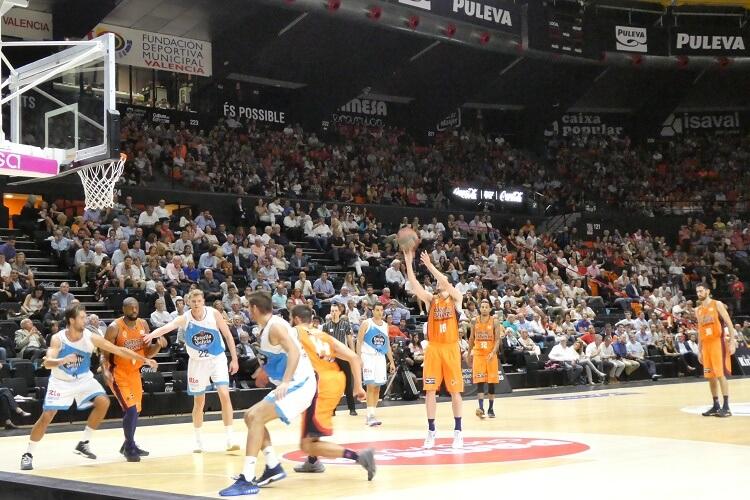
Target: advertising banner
(27,24)
(494,14)
(709,43)
(584,123)
(167,117)
(716,122)
(158,51)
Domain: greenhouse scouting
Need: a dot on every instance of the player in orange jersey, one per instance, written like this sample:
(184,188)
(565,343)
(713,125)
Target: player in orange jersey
(123,375)
(442,357)
(323,350)
(484,342)
(715,346)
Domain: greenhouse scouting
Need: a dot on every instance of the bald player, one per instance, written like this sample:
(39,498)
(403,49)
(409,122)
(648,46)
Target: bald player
(123,375)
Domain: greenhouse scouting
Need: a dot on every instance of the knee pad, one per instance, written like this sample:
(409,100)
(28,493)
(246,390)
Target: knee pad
(491,389)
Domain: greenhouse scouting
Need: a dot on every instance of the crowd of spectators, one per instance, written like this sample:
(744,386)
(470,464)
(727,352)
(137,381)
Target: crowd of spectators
(686,174)
(598,308)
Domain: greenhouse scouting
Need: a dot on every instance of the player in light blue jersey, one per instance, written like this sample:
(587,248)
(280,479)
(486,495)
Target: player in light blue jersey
(204,328)
(71,379)
(289,368)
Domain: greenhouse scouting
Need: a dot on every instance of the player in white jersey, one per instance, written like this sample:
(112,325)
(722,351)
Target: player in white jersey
(69,360)
(289,368)
(204,327)
(373,346)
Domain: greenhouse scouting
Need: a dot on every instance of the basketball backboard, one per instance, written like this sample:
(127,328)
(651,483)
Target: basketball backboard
(57,109)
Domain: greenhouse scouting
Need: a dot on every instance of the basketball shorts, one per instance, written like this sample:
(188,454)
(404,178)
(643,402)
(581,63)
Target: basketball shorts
(442,363)
(298,398)
(318,418)
(716,359)
(374,370)
(61,393)
(202,372)
(485,370)
(128,389)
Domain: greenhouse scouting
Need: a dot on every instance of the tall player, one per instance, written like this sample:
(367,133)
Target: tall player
(289,368)
(442,357)
(69,360)
(484,343)
(715,348)
(373,346)
(204,327)
(323,351)
(124,375)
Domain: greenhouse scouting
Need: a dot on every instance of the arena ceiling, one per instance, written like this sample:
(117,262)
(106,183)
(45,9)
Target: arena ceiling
(325,60)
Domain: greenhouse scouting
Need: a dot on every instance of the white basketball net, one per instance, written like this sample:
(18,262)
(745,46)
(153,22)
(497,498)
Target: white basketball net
(99,183)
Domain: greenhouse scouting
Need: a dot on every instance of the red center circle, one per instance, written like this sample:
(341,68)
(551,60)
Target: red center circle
(476,450)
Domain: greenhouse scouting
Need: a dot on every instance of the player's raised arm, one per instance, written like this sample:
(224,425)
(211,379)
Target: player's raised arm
(416,286)
(105,345)
(178,322)
(442,280)
(224,329)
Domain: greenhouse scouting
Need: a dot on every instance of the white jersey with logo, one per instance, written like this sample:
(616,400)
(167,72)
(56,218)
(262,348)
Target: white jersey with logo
(71,382)
(276,357)
(202,336)
(82,348)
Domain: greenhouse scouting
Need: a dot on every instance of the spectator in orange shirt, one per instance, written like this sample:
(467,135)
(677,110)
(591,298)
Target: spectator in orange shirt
(393,330)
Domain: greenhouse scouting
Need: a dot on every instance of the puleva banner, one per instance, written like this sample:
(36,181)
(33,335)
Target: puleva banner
(496,14)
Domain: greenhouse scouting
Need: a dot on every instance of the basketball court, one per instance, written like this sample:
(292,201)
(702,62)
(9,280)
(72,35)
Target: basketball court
(611,442)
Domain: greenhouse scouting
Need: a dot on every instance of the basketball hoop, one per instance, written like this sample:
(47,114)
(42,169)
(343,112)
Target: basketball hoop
(99,181)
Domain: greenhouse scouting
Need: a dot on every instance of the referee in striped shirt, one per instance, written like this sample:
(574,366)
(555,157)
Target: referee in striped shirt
(338,327)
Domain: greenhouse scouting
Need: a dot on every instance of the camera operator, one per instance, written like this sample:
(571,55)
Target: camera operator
(404,384)
(338,327)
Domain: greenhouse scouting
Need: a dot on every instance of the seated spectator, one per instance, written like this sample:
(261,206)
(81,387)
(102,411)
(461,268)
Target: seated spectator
(621,351)
(30,343)
(24,271)
(33,304)
(637,353)
(160,316)
(96,325)
(586,362)
(395,278)
(568,359)
(608,356)
(279,296)
(63,296)
(304,285)
(323,288)
(210,286)
(129,274)
(148,218)
(689,355)
(9,408)
(84,261)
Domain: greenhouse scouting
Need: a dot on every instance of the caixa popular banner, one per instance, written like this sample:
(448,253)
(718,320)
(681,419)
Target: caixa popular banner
(590,123)
(501,15)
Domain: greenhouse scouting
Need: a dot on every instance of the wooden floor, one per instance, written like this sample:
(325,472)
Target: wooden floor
(639,442)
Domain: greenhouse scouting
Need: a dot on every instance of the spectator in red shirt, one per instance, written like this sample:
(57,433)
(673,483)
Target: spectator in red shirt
(737,288)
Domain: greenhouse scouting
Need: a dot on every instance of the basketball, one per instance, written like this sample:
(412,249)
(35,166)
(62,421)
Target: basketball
(261,378)
(407,239)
